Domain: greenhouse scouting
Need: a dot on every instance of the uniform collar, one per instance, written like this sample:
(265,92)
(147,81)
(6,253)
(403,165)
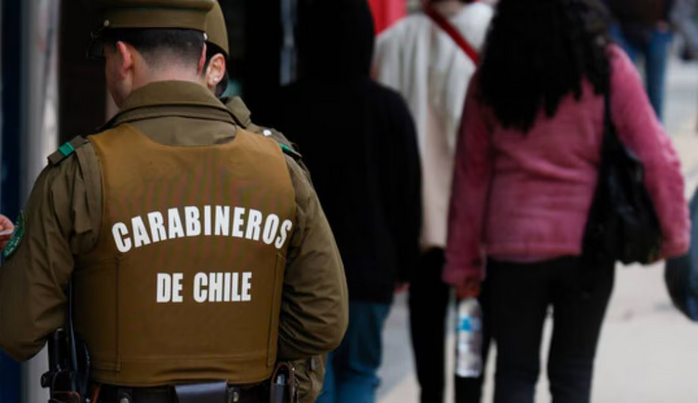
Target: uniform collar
(171,99)
(240,111)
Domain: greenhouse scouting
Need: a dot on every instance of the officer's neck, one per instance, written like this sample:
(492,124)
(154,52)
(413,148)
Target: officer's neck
(173,73)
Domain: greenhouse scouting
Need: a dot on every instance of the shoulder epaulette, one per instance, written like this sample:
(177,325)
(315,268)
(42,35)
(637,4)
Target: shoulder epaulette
(291,152)
(66,150)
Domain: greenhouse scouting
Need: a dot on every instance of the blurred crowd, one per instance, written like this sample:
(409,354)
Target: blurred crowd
(488,193)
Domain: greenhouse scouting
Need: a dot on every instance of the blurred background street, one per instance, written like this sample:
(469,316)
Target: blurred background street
(648,351)
(49,92)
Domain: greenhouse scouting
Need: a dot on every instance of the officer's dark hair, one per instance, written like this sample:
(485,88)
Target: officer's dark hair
(185,45)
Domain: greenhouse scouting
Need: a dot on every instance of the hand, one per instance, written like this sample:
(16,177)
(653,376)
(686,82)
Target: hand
(401,287)
(6,228)
(470,288)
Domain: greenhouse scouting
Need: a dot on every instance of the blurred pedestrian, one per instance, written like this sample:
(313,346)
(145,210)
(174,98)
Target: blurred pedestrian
(642,29)
(6,229)
(526,174)
(683,18)
(358,140)
(420,60)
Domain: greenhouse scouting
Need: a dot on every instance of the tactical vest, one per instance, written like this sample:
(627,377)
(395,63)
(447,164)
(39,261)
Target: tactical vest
(186,279)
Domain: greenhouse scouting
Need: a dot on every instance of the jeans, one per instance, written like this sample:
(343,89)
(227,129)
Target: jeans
(521,294)
(655,54)
(429,303)
(351,374)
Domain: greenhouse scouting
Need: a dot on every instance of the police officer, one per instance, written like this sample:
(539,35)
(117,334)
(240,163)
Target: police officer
(310,373)
(198,252)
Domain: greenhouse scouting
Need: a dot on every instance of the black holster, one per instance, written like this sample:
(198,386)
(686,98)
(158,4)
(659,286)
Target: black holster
(68,377)
(283,384)
(67,382)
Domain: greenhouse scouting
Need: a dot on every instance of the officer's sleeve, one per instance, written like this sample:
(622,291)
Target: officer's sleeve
(315,307)
(57,224)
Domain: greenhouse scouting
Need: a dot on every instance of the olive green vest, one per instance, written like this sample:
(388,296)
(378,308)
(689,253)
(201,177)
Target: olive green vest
(186,279)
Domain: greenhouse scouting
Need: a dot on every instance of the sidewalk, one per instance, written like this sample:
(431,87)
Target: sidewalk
(648,351)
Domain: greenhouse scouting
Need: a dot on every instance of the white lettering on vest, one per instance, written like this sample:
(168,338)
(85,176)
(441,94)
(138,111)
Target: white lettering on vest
(254,225)
(249,224)
(120,230)
(140,233)
(200,292)
(157,226)
(246,286)
(215,287)
(207,220)
(238,222)
(164,288)
(191,218)
(285,229)
(222,220)
(271,227)
(175,224)
(209,287)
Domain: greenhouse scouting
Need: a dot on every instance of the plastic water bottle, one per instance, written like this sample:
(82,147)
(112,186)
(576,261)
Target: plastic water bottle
(469,339)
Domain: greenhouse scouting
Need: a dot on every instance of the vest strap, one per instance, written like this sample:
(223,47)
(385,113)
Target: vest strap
(66,150)
(291,152)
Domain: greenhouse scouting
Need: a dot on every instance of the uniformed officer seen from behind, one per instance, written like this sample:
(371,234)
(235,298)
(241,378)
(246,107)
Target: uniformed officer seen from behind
(198,252)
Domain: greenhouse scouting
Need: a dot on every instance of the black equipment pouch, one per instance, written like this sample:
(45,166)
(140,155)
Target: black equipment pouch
(283,384)
(215,392)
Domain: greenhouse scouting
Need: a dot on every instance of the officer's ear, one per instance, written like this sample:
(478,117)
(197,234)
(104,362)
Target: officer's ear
(215,72)
(125,58)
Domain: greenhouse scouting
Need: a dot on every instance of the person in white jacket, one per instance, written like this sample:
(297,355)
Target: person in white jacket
(422,62)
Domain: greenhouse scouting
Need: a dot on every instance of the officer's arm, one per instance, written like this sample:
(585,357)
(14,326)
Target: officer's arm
(35,275)
(314,312)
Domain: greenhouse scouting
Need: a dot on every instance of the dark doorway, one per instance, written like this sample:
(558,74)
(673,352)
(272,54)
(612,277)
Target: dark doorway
(82,87)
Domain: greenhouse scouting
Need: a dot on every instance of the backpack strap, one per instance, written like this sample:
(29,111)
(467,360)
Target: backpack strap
(447,27)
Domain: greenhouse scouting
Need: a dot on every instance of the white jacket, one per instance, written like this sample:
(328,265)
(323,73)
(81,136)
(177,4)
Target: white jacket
(423,63)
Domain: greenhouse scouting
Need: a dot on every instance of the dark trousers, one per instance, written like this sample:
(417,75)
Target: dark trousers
(429,301)
(521,295)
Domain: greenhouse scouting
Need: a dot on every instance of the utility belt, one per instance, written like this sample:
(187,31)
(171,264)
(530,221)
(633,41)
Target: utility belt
(281,388)
(195,393)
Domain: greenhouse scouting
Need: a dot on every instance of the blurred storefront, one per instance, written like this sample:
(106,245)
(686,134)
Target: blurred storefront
(49,93)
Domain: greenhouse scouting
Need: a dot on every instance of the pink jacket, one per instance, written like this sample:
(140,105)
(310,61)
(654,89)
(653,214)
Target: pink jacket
(526,197)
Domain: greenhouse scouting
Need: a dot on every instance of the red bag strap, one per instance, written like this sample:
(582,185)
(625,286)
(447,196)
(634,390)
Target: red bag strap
(447,27)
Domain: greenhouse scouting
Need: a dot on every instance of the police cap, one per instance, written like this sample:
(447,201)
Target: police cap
(149,14)
(216,29)
(166,14)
